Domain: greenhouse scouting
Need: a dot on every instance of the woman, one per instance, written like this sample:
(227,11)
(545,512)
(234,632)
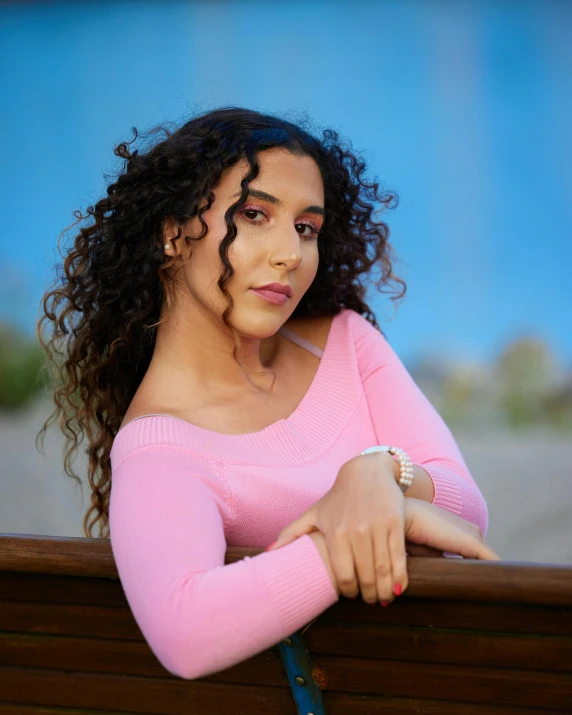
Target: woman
(219,412)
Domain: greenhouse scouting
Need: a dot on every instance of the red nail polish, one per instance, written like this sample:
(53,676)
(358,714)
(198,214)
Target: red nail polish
(385,603)
(397,589)
(270,546)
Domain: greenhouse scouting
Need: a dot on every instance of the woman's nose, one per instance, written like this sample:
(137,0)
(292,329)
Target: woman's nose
(287,247)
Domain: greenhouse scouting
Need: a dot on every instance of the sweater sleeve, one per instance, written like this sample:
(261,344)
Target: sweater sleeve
(198,615)
(403,416)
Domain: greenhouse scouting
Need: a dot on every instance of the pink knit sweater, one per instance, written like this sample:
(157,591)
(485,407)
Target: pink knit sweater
(182,494)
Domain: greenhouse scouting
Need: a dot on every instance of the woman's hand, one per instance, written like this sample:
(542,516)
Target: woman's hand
(362,521)
(428,525)
(433,530)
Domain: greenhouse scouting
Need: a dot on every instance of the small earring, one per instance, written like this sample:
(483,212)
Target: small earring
(167,246)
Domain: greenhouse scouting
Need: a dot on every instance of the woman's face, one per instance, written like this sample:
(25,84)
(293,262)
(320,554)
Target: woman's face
(276,242)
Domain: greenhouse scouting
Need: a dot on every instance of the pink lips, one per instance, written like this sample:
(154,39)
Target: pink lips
(278,288)
(271,296)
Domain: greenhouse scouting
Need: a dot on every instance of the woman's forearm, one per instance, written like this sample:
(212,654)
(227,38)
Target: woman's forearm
(422,485)
(448,491)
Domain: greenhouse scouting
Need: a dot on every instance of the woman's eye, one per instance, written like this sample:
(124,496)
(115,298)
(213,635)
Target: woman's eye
(252,211)
(312,233)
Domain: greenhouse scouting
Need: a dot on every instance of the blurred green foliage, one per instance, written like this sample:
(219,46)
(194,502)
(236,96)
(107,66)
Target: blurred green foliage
(530,387)
(524,387)
(21,362)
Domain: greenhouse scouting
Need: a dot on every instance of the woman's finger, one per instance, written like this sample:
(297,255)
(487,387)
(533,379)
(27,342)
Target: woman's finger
(383,576)
(461,537)
(342,561)
(473,547)
(362,549)
(396,544)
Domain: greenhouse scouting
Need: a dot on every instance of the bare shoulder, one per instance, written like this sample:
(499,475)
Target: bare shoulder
(316,330)
(150,399)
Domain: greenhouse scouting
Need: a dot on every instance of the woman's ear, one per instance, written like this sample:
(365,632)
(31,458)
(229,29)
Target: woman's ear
(170,231)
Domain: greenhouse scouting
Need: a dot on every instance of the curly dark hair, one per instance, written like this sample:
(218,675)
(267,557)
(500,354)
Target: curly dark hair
(104,308)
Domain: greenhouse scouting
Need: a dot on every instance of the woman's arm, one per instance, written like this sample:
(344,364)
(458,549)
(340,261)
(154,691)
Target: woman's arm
(403,416)
(198,615)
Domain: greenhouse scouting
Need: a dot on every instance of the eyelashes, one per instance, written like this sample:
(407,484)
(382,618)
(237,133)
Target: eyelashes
(314,230)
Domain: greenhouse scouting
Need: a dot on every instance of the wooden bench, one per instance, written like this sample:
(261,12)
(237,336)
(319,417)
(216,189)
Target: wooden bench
(468,638)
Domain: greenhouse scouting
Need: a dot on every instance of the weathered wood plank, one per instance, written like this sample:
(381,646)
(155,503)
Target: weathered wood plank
(336,703)
(67,619)
(358,676)
(117,657)
(132,694)
(14,709)
(440,645)
(517,617)
(429,578)
(435,681)
(346,704)
(449,613)
(47,588)
(390,643)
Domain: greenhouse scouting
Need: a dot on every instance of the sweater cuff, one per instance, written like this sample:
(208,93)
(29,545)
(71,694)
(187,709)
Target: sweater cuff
(299,582)
(447,491)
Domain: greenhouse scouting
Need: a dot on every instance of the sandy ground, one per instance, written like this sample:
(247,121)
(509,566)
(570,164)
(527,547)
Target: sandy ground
(526,480)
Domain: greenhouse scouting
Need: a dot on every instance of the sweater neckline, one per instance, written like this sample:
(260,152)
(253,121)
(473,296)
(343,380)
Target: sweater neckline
(312,426)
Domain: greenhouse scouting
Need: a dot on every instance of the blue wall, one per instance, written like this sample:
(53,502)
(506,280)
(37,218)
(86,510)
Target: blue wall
(463,108)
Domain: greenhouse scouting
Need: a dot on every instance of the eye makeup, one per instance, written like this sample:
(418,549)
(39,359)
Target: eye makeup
(254,208)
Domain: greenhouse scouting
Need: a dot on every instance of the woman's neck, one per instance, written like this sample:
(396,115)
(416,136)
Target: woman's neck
(193,349)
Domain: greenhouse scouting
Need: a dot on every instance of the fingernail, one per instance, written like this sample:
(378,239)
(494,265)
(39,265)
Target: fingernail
(385,603)
(271,545)
(397,589)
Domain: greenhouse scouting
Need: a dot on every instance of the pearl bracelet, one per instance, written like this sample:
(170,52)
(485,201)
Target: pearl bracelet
(405,464)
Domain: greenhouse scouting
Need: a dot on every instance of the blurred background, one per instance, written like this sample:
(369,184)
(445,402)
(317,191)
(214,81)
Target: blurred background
(464,108)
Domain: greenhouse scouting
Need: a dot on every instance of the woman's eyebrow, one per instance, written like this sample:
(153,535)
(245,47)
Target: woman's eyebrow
(273,200)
